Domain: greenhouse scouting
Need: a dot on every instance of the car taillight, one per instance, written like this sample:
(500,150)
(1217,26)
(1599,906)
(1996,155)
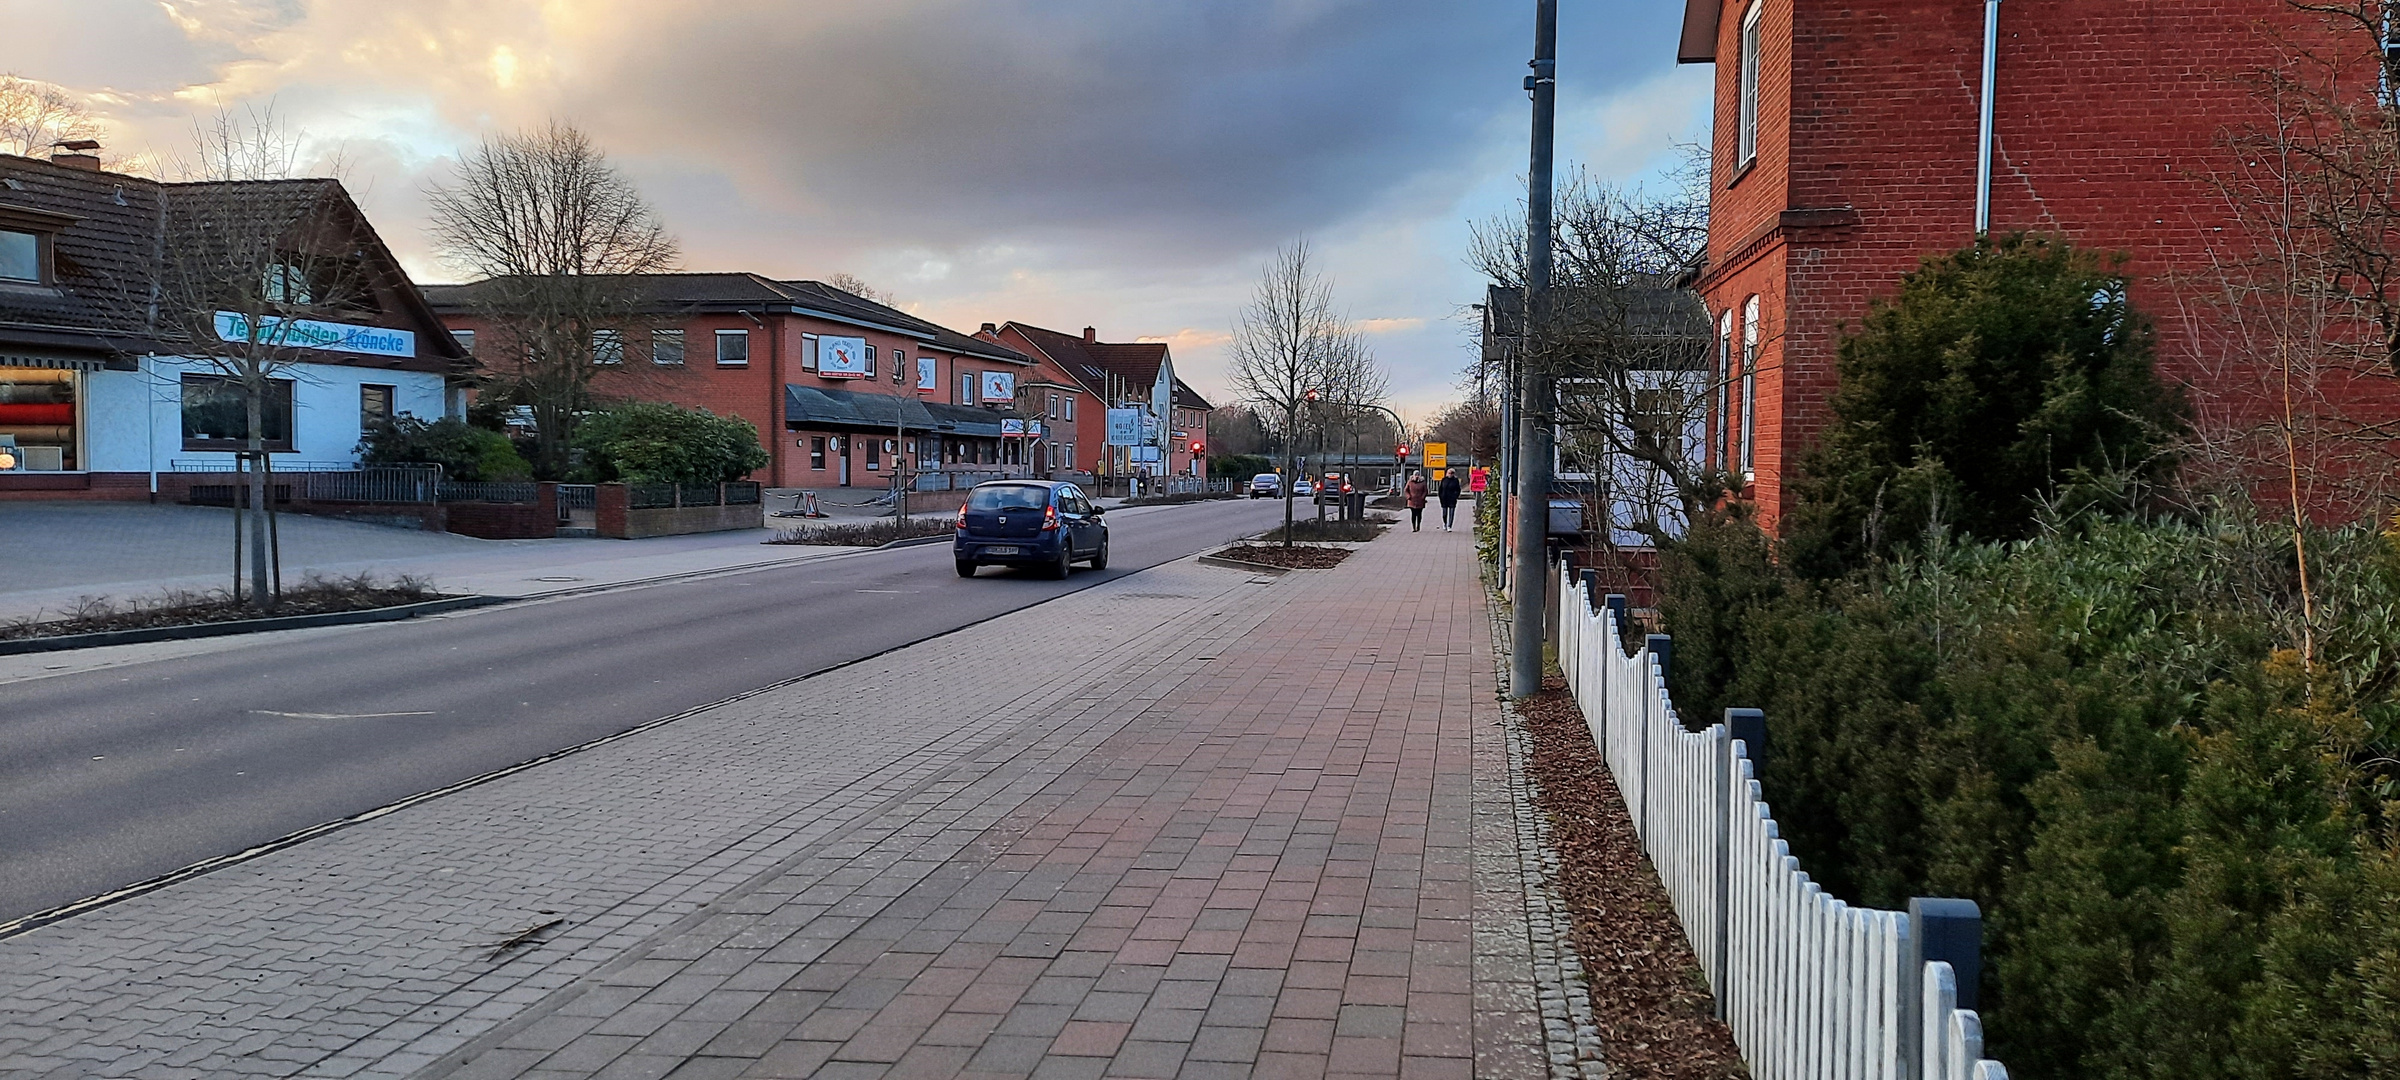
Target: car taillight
(962,515)
(1049,518)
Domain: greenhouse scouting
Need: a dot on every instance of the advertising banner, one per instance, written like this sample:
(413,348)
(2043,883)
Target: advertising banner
(278,332)
(999,386)
(929,375)
(1124,427)
(842,357)
(1012,427)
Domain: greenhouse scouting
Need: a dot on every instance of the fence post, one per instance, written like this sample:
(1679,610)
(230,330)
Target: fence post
(1591,588)
(1659,651)
(1739,724)
(1948,931)
(1616,603)
(1750,726)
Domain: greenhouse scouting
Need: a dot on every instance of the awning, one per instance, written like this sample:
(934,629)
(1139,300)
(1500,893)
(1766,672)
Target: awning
(848,410)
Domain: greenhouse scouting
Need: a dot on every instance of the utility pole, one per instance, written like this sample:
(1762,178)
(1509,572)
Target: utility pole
(1534,455)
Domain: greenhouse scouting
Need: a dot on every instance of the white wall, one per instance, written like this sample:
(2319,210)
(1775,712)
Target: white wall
(133,420)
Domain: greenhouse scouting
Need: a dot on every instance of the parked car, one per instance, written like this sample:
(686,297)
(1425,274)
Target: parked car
(1041,523)
(1332,486)
(1266,485)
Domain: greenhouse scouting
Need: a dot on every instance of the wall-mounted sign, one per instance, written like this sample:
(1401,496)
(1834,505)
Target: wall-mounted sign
(999,386)
(842,357)
(929,375)
(1012,427)
(1124,427)
(278,332)
(1035,429)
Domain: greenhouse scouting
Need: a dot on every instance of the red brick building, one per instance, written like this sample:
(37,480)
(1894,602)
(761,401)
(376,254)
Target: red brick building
(1136,373)
(841,389)
(1845,149)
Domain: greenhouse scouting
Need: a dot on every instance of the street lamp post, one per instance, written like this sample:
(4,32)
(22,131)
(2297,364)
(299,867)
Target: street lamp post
(1534,435)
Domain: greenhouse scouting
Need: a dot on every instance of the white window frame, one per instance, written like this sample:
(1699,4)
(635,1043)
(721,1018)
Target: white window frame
(465,339)
(659,337)
(808,352)
(1720,454)
(1746,125)
(1750,336)
(723,336)
(608,347)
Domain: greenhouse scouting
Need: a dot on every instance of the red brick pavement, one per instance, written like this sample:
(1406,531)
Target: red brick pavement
(1269,871)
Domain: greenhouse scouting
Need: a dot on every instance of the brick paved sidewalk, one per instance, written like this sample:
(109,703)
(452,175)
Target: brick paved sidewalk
(1267,872)
(1179,824)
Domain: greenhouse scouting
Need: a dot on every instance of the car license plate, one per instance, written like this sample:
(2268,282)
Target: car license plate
(1000,550)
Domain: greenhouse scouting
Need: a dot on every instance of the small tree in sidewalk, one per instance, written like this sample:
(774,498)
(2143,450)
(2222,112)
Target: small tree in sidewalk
(1286,343)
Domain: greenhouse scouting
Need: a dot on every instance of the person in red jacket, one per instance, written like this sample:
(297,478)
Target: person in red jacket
(1415,494)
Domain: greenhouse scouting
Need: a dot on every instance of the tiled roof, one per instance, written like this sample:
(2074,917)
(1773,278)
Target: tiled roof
(1133,364)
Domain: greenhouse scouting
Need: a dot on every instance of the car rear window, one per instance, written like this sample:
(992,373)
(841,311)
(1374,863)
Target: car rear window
(1263,478)
(1008,497)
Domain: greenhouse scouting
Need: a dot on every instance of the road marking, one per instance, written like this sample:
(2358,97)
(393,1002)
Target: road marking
(336,715)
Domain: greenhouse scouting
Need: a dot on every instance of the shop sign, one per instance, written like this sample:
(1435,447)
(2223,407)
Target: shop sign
(999,386)
(929,375)
(279,332)
(1124,427)
(842,357)
(1012,427)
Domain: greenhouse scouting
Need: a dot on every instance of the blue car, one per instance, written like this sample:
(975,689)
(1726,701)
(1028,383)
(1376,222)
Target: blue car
(1043,523)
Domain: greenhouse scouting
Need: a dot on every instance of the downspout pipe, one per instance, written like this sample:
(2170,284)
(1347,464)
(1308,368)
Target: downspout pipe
(1983,139)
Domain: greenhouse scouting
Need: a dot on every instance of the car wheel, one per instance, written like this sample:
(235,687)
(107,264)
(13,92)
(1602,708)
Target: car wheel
(1100,557)
(966,568)
(1066,560)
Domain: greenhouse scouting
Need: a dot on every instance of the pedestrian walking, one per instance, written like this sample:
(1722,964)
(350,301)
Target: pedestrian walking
(1448,493)
(1415,493)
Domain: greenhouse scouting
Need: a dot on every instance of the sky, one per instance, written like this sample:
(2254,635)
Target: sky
(1121,164)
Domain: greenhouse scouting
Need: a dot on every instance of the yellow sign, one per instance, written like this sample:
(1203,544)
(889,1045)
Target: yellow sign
(1437,455)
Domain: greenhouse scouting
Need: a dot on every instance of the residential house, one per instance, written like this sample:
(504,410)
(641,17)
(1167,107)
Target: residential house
(101,392)
(1133,374)
(1846,147)
(842,390)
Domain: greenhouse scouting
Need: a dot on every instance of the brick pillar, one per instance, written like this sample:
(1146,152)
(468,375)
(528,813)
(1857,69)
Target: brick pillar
(545,501)
(611,503)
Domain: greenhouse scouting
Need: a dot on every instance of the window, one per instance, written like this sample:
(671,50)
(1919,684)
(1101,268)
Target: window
(283,283)
(216,414)
(20,256)
(1070,407)
(1746,139)
(37,405)
(608,346)
(808,352)
(666,347)
(870,366)
(733,348)
(1750,388)
(465,339)
(1718,454)
(374,405)
(966,388)
(816,453)
(874,455)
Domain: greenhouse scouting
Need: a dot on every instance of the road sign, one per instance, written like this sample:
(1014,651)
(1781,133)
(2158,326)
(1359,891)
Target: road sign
(1124,427)
(1437,455)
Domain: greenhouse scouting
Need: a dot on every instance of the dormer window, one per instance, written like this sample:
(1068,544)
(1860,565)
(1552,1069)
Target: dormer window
(20,256)
(284,283)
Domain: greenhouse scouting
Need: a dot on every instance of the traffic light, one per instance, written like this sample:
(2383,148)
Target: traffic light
(1195,446)
(1402,452)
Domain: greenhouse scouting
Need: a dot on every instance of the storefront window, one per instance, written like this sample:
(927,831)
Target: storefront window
(216,414)
(37,408)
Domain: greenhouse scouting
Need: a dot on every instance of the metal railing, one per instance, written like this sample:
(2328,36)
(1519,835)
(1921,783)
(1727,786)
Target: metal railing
(495,491)
(1812,987)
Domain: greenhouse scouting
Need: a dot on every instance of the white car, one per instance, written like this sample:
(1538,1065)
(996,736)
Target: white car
(1266,485)
(1303,488)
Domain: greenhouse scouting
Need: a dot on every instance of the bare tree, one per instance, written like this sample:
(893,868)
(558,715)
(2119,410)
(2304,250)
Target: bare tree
(1285,344)
(255,268)
(35,117)
(558,237)
(850,283)
(1629,343)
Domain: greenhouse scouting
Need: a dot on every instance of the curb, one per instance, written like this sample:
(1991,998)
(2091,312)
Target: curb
(1244,564)
(245,626)
(915,541)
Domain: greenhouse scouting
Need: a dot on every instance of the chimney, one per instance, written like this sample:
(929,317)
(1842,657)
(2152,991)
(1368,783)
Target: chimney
(77,154)
(1090,335)
(990,329)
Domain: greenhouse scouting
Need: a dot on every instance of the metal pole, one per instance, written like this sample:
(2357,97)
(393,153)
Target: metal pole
(1983,141)
(1533,415)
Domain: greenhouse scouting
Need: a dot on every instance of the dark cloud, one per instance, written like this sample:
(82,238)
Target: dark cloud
(1207,127)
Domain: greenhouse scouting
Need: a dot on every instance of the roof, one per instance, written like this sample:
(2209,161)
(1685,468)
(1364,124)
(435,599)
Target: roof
(1698,44)
(810,406)
(739,291)
(119,229)
(1133,364)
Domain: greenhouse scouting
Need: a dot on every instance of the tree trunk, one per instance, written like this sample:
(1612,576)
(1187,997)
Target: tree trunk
(1291,467)
(260,596)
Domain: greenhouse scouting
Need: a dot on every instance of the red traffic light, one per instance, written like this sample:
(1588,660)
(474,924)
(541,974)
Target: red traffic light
(1195,446)
(1402,452)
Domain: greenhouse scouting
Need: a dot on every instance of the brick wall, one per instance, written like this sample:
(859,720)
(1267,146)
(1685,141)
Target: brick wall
(2110,123)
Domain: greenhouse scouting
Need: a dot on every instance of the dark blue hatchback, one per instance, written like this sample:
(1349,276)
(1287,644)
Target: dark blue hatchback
(1042,523)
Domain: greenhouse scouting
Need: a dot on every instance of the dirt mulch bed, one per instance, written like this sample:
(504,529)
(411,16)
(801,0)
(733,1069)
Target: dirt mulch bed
(314,596)
(1332,529)
(867,533)
(1298,557)
(1181,498)
(1649,998)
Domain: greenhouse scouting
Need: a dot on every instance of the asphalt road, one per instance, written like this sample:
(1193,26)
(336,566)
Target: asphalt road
(113,776)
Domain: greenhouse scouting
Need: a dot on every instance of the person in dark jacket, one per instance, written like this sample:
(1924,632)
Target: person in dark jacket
(1415,494)
(1448,494)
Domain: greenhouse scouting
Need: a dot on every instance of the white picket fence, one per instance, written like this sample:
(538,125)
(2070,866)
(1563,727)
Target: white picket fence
(1812,987)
